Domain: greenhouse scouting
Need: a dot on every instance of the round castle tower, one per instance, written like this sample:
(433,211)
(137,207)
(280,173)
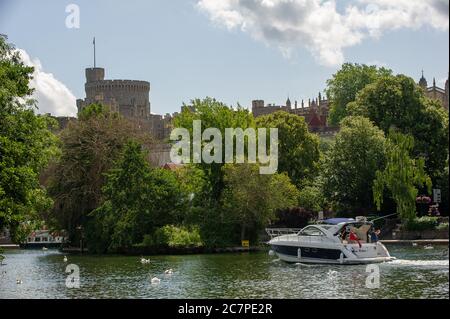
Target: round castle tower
(128,97)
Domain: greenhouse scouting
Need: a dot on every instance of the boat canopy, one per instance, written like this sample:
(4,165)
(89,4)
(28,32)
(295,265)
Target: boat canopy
(337,221)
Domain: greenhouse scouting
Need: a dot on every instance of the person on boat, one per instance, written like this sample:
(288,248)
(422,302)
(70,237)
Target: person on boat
(374,235)
(354,238)
(344,233)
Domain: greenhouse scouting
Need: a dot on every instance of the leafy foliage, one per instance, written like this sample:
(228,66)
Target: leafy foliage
(251,199)
(89,148)
(26,146)
(346,84)
(401,176)
(299,151)
(137,200)
(350,166)
(397,102)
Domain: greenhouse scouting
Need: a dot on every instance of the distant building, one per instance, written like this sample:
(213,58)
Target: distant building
(435,92)
(314,111)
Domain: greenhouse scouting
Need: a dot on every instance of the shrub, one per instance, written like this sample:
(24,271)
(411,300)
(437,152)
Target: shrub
(174,237)
(422,223)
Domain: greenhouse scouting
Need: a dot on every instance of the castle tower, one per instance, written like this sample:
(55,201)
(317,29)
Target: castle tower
(423,82)
(288,103)
(95,74)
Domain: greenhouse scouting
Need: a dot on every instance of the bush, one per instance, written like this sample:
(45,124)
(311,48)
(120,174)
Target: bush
(422,223)
(174,237)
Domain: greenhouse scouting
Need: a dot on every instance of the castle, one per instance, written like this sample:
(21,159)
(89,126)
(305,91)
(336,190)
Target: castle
(435,92)
(129,98)
(315,112)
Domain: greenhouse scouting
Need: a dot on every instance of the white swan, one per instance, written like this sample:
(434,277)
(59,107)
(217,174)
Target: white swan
(169,272)
(44,248)
(155,281)
(428,247)
(414,244)
(145,261)
(65,259)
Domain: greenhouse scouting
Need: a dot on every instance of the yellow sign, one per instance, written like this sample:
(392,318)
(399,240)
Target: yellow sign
(246,243)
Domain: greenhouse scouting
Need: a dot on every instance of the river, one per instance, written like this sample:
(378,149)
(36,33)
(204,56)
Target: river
(418,273)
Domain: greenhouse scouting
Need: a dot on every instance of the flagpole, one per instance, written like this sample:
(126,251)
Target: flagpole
(94,54)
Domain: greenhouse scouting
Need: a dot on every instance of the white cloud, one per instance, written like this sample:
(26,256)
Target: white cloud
(319,26)
(51,94)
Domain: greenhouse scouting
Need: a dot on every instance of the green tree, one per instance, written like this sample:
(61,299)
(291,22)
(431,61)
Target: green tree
(350,166)
(299,152)
(26,145)
(401,176)
(251,199)
(345,85)
(90,146)
(213,114)
(137,200)
(398,102)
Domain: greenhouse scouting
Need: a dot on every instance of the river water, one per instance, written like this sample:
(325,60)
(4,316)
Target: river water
(418,273)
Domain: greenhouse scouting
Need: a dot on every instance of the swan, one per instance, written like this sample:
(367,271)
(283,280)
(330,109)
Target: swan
(145,261)
(169,272)
(428,247)
(65,259)
(44,248)
(156,280)
(414,244)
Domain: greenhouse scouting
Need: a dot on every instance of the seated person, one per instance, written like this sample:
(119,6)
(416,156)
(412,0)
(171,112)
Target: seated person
(354,238)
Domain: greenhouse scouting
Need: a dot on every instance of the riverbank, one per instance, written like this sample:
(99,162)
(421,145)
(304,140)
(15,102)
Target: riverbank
(153,251)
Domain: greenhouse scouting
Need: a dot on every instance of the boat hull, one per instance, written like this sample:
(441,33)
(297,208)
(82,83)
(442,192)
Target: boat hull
(329,255)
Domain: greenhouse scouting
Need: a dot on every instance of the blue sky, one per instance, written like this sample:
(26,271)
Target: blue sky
(187,52)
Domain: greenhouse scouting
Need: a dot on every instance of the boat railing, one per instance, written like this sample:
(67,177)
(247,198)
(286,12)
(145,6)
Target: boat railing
(276,232)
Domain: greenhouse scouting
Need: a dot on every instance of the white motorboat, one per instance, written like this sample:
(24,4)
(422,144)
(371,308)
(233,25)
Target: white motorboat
(329,243)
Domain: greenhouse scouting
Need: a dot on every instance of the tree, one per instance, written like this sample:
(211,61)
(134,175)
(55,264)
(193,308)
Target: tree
(401,175)
(251,199)
(90,146)
(137,200)
(350,166)
(213,114)
(345,85)
(398,102)
(299,152)
(26,145)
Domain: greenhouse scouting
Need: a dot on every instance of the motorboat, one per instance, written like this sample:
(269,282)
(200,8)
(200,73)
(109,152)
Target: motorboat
(332,241)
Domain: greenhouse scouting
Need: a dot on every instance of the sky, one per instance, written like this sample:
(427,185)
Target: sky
(233,50)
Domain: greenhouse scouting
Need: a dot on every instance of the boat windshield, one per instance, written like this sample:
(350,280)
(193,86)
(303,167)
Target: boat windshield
(311,231)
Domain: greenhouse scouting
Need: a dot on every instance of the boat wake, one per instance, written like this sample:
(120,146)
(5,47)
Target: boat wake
(419,263)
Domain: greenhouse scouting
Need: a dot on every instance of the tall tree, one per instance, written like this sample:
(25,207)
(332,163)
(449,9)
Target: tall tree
(137,200)
(26,144)
(344,86)
(299,150)
(401,176)
(398,102)
(213,114)
(350,166)
(251,199)
(89,148)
